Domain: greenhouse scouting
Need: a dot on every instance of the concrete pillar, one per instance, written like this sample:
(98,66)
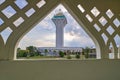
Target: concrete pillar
(119,52)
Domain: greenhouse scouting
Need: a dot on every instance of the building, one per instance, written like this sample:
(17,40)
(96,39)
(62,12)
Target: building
(67,50)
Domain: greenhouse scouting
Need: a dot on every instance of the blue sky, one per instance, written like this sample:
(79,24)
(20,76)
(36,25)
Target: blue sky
(43,34)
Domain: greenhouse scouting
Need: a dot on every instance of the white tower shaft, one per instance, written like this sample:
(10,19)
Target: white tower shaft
(60,24)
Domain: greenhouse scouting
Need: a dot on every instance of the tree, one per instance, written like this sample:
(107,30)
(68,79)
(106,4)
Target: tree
(61,54)
(18,49)
(86,52)
(77,56)
(22,53)
(37,53)
(46,51)
(32,50)
(54,52)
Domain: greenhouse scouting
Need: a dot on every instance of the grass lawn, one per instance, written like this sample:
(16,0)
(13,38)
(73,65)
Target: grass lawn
(82,57)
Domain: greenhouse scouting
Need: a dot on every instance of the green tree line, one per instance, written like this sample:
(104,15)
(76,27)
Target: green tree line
(29,52)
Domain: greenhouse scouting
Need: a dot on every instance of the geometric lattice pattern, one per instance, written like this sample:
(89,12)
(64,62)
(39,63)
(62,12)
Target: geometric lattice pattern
(21,3)
(98,18)
(107,24)
(10,11)
(95,11)
(6,33)
(15,15)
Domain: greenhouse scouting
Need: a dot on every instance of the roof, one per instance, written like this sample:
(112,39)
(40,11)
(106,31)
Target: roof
(61,16)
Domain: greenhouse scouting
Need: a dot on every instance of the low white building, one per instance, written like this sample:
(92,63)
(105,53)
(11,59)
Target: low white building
(55,51)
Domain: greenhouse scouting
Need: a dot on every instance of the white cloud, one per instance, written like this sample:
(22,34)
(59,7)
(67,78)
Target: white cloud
(77,41)
(68,37)
(44,43)
(44,40)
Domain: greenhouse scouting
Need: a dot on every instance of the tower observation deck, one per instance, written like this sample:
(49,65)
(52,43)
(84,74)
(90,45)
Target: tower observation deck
(60,21)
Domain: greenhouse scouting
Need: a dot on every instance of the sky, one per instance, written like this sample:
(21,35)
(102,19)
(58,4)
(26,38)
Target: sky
(44,33)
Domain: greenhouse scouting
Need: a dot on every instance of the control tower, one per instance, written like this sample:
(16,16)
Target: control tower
(60,21)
